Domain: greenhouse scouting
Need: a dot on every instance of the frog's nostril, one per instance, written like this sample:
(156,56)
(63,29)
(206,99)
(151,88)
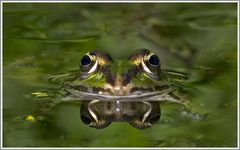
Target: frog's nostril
(85,119)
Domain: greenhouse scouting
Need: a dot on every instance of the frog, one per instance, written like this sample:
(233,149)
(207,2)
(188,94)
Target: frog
(121,90)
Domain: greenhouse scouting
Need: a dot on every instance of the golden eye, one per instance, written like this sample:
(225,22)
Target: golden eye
(93,62)
(88,64)
(147,62)
(150,63)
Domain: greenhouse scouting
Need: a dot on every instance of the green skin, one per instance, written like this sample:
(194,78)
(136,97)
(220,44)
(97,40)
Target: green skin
(120,90)
(123,78)
(98,80)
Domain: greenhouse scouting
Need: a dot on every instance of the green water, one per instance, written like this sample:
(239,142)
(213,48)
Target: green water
(40,40)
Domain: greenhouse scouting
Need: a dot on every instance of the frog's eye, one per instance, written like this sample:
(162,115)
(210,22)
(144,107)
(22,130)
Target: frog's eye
(86,60)
(88,64)
(147,62)
(151,65)
(93,61)
(153,60)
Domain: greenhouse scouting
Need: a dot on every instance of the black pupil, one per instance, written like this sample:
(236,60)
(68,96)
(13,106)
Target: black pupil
(154,119)
(154,60)
(86,60)
(85,119)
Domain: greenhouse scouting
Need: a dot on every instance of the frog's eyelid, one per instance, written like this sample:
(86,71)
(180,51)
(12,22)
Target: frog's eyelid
(94,67)
(145,67)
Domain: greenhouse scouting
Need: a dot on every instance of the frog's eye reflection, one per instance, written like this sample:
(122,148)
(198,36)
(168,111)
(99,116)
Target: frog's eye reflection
(93,123)
(149,118)
(142,124)
(91,117)
(140,115)
(154,119)
(85,119)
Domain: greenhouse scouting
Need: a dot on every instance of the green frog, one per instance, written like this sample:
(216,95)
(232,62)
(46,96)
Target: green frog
(128,89)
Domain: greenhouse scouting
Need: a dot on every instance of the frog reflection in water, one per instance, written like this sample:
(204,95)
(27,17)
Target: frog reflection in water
(121,90)
(138,114)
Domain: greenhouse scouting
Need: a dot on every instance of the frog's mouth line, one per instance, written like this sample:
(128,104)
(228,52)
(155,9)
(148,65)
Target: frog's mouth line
(148,96)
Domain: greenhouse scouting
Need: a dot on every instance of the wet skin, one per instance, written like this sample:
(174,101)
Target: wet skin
(120,90)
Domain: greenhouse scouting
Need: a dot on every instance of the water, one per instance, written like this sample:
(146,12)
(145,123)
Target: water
(41,40)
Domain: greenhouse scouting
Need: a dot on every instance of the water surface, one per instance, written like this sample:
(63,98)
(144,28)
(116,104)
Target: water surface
(40,40)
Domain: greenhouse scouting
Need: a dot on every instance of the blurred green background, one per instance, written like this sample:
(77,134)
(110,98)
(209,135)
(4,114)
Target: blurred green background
(43,39)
